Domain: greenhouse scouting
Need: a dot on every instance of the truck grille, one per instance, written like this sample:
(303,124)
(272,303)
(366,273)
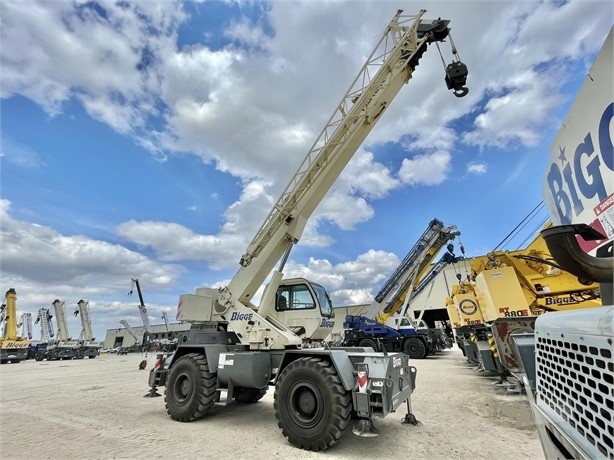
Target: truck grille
(575,387)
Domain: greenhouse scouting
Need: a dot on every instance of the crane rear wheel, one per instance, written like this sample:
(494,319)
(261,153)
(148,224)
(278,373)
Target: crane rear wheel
(311,405)
(190,389)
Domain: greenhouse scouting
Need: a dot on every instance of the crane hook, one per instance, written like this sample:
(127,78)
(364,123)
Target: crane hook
(456,78)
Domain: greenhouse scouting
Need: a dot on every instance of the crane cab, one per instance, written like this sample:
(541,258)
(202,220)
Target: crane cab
(305,308)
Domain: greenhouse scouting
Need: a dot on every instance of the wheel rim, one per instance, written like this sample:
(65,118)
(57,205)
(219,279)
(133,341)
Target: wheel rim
(182,390)
(306,404)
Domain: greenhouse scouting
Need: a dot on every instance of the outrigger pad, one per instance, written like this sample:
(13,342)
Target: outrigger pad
(152,393)
(410,419)
(365,428)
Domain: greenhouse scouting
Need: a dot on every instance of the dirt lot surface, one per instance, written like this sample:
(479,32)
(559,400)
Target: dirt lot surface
(95,409)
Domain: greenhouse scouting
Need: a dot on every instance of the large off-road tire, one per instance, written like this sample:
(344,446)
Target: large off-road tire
(368,343)
(415,348)
(190,388)
(248,395)
(311,406)
(39,356)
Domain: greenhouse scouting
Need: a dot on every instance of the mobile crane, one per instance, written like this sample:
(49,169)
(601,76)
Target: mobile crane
(384,323)
(143,311)
(503,295)
(26,325)
(512,288)
(45,318)
(165,318)
(13,348)
(88,347)
(63,347)
(567,363)
(235,350)
(132,332)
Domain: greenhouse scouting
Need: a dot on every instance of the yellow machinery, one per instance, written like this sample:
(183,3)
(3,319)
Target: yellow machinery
(12,347)
(506,292)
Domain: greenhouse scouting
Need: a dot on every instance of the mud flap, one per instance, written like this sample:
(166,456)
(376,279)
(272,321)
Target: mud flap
(502,329)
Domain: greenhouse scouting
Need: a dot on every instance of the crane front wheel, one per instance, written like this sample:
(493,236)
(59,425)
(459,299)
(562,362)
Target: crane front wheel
(190,389)
(414,348)
(311,406)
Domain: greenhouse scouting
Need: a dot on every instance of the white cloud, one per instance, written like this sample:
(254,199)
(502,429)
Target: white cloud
(477,168)
(426,169)
(35,252)
(42,265)
(351,282)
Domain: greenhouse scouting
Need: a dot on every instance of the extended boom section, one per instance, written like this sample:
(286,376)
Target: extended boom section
(389,66)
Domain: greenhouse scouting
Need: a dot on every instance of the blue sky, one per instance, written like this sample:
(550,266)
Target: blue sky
(149,139)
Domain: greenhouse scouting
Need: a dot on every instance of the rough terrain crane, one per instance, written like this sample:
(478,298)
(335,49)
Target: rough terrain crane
(384,323)
(63,347)
(88,347)
(13,348)
(45,318)
(506,293)
(165,318)
(568,362)
(235,350)
(132,332)
(26,325)
(143,311)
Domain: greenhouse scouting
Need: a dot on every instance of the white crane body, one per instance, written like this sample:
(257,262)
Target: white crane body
(235,350)
(63,347)
(131,331)
(45,319)
(26,325)
(88,347)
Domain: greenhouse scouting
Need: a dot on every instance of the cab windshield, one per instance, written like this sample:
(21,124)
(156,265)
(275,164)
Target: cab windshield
(326,306)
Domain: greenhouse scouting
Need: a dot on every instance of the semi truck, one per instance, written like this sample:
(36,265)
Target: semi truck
(235,350)
(568,362)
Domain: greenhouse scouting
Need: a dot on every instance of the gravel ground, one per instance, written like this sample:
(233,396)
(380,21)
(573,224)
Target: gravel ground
(95,409)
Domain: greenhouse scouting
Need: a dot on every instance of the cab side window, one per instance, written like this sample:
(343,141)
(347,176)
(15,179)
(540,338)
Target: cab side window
(296,297)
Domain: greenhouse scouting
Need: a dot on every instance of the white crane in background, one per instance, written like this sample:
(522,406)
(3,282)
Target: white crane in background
(165,318)
(26,325)
(44,317)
